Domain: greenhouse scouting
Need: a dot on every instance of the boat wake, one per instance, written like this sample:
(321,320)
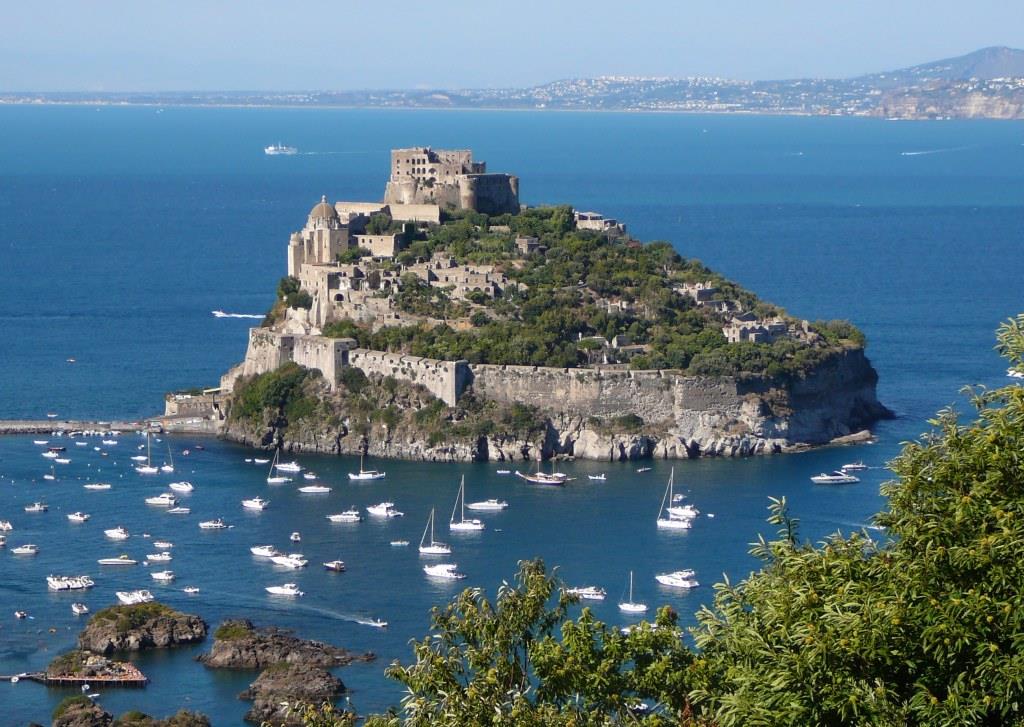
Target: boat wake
(932,151)
(222,314)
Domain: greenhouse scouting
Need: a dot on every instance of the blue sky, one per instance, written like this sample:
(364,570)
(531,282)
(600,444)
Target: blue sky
(115,45)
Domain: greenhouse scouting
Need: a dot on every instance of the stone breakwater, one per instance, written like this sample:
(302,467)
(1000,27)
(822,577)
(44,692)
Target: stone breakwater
(587,414)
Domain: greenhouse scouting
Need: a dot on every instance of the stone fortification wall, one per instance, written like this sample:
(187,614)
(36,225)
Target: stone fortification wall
(444,379)
(492,194)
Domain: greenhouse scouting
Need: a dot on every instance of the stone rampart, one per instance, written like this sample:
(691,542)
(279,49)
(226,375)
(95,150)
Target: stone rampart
(444,379)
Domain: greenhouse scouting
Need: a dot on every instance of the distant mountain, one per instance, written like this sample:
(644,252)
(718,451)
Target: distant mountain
(985,64)
(988,83)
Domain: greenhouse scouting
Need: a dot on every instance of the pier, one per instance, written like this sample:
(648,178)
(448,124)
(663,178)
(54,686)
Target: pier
(131,678)
(48,426)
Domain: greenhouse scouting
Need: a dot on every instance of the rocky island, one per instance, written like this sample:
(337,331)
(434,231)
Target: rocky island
(140,626)
(449,322)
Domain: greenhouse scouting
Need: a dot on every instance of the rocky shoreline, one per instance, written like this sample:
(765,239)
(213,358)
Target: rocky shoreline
(143,626)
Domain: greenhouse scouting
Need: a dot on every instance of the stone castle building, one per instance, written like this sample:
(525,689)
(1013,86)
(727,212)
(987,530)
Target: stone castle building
(449,178)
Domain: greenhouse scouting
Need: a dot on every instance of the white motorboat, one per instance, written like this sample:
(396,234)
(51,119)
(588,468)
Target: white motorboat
(148,468)
(291,560)
(164,576)
(272,478)
(185,487)
(122,559)
(215,524)
(97,486)
(51,455)
(641,470)
(666,519)
(78,517)
(309,475)
(165,499)
(462,524)
(292,466)
(110,442)
(629,605)
(491,504)
(138,458)
(118,533)
(264,551)
(853,467)
(81,444)
(51,475)
(3,541)
(130,598)
(363,474)
(179,511)
(5,526)
(682,512)
(348,516)
(255,503)
(677,579)
(335,565)
(164,544)
(19,614)
(288,589)
(399,543)
(597,478)
(587,593)
(384,509)
(161,557)
(27,549)
(40,441)
(190,590)
(448,571)
(259,460)
(62,460)
(376,623)
(79,609)
(69,583)
(295,537)
(37,507)
(280,149)
(315,490)
(502,472)
(836,478)
(432,547)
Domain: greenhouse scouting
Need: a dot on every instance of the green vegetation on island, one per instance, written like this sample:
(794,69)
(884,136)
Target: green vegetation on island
(563,303)
(921,627)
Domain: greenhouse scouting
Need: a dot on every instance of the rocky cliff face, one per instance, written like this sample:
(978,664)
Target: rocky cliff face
(698,418)
(240,645)
(84,713)
(280,691)
(127,628)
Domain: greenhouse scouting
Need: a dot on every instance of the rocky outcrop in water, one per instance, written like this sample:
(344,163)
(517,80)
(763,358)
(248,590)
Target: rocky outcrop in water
(279,693)
(82,712)
(141,626)
(240,645)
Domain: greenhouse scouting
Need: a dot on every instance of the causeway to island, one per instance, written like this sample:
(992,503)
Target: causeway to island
(451,323)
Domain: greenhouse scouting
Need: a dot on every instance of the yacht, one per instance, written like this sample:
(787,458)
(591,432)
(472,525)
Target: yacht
(27,549)
(315,489)
(190,590)
(335,565)
(366,474)
(432,547)
(168,466)
(666,518)
(19,614)
(138,458)
(309,475)
(272,478)
(265,551)
(292,466)
(118,533)
(447,571)
(165,544)
(384,509)
(597,478)
(164,576)
(122,559)
(216,524)
(259,460)
(288,589)
(37,507)
(280,149)
(502,472)
(110,442)
(162,557)
(295,537)
(460,507)
(51,475)
(62,460)
(97,486)
(853,467)
(641,470)
(682,512)
(587,593)
(185,487)
(40,441)
(292,560)
(677,579)
(78,517)
(255,503)
(631,606)
(836,478)
(543,478)
(165,499)
(130,598)
(5,526)
(179,511)
(348,516)
(491,504)
(79,609)
(50,454)
(69,583)
(148,468)
(399,543)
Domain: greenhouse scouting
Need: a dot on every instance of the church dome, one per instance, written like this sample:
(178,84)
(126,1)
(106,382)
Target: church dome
(323,210)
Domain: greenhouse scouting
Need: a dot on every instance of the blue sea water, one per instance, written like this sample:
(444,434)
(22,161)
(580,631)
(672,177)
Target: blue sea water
(121,229)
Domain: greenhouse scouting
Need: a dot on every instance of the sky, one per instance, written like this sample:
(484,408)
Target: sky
(159,45)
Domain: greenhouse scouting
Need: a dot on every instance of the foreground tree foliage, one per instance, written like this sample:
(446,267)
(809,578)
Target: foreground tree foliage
(925,627)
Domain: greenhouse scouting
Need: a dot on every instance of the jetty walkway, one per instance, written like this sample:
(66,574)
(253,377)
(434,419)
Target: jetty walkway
(47,426)
(131,678)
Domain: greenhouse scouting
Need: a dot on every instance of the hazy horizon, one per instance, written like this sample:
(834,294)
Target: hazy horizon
(316,45)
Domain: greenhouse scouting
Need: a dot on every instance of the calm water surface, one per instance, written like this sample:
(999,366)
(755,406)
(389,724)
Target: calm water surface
(121,230)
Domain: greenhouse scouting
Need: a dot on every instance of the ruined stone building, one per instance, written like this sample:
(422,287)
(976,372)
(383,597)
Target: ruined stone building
(449,178)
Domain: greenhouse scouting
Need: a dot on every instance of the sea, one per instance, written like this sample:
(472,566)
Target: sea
(123,228)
